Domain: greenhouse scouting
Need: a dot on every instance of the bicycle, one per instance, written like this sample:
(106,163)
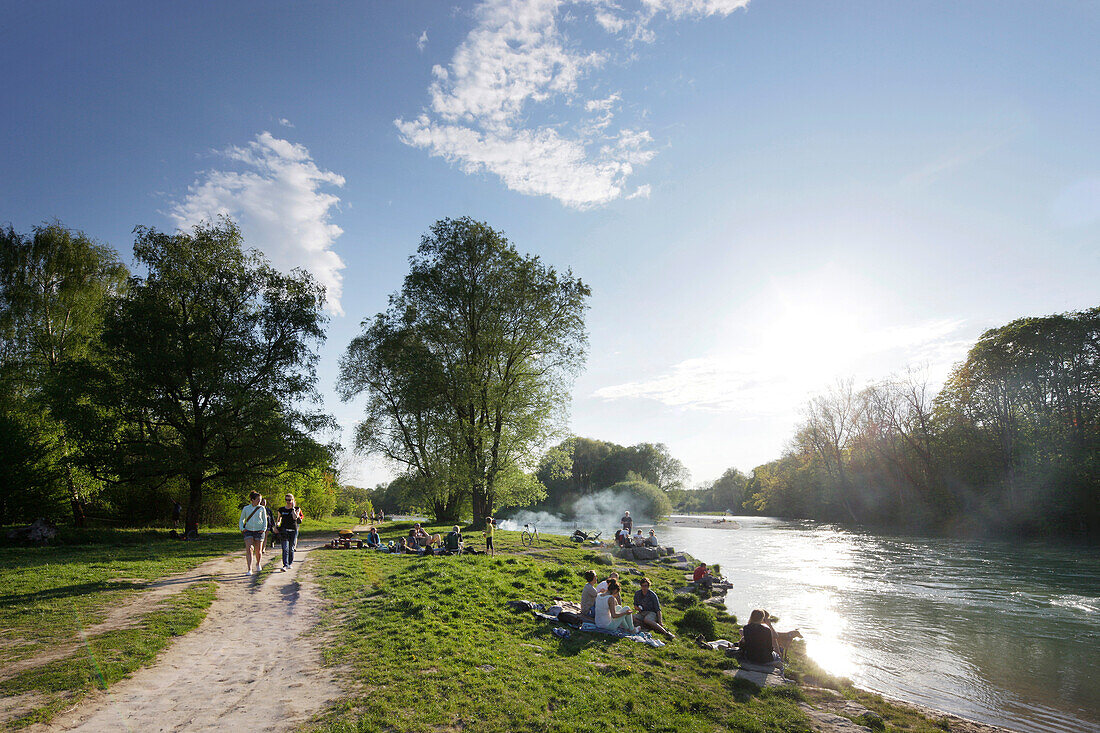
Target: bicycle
(530,535)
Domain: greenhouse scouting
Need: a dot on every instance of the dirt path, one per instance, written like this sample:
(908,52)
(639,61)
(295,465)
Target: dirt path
(248,666)
(133,608)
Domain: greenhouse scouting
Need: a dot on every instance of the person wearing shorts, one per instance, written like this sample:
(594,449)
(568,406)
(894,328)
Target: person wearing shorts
(253,524)
(490,528)
(648,610)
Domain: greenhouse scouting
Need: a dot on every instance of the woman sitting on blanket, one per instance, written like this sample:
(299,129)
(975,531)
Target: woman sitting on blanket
(589,595)
(611,615)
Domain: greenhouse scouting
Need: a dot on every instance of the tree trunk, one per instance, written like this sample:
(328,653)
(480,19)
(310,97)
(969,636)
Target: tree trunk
(194,504)
(79,518)
(481,508)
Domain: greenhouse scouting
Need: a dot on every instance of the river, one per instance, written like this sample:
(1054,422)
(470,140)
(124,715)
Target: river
(1001,632)
(1006,633)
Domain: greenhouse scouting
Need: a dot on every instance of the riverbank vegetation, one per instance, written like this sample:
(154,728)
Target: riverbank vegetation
(1010,444)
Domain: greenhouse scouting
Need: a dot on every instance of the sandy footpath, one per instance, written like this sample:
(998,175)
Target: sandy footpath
(248,666)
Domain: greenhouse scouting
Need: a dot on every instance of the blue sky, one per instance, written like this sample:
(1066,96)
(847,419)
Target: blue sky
(764,196)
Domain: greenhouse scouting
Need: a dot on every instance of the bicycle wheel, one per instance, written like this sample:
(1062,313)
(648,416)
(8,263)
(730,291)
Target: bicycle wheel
(526,538)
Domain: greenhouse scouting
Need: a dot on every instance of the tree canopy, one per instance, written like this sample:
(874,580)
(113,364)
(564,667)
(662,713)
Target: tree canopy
(205,370)
(467,372)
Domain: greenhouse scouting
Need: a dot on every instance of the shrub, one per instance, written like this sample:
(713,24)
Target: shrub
(698,620)
(645,498)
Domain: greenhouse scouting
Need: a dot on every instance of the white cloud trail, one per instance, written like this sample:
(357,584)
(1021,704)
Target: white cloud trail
(522,56)
(278,203)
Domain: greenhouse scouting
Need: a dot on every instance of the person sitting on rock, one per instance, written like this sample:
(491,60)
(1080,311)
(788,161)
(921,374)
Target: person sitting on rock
(651,541)
(637,540)
(647,610)
(702,576)
(759,643)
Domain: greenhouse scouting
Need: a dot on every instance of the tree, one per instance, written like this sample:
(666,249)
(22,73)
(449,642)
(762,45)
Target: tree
(830,424)
(205,368)
(497,337)
(53,289)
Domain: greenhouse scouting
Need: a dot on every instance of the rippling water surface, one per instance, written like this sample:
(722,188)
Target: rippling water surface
(1007,633)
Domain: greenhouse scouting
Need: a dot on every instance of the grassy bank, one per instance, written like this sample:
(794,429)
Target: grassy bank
(426,644)
(430,646)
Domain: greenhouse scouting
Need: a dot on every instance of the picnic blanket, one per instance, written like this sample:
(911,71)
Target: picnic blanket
(643,637)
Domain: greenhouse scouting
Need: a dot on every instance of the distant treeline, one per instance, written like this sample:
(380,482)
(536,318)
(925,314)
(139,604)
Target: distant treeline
(1010,444)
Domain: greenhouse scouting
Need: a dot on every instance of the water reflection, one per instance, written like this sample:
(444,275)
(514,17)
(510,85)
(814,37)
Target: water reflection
(1005,633)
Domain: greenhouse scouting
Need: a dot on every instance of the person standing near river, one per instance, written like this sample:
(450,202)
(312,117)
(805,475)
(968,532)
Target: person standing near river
(253,523)
(627,522)
(290,516)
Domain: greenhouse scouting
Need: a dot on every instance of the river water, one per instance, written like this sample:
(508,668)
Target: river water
(1001,632)
(1005,633)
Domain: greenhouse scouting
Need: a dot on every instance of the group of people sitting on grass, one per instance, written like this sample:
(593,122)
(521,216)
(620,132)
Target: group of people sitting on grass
(603,605)
(420,542)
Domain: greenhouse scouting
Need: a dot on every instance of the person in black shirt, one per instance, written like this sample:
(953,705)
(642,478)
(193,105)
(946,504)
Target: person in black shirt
(759,644)
(290,516)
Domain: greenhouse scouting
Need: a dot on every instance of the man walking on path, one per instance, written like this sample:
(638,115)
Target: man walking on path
(290,516)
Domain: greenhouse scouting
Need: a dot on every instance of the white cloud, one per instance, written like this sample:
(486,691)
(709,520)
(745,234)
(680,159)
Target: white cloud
(779,372)
(285,122)
(422,42)
(278,203)
(520,57)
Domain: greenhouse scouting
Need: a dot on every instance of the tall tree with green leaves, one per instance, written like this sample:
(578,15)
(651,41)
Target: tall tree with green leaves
(500,337)
(54,285)
(208,367)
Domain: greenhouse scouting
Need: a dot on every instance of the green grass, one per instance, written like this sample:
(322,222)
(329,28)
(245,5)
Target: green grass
(431,647)
(50,594)
(106,658)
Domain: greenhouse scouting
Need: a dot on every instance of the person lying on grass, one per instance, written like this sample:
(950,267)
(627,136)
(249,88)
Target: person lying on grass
(648,610)
(611,614)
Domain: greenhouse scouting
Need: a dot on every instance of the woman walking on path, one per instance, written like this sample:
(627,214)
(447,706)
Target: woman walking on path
(290,516)
(253,523)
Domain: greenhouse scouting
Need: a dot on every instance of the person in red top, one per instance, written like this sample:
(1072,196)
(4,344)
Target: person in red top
(702,576)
